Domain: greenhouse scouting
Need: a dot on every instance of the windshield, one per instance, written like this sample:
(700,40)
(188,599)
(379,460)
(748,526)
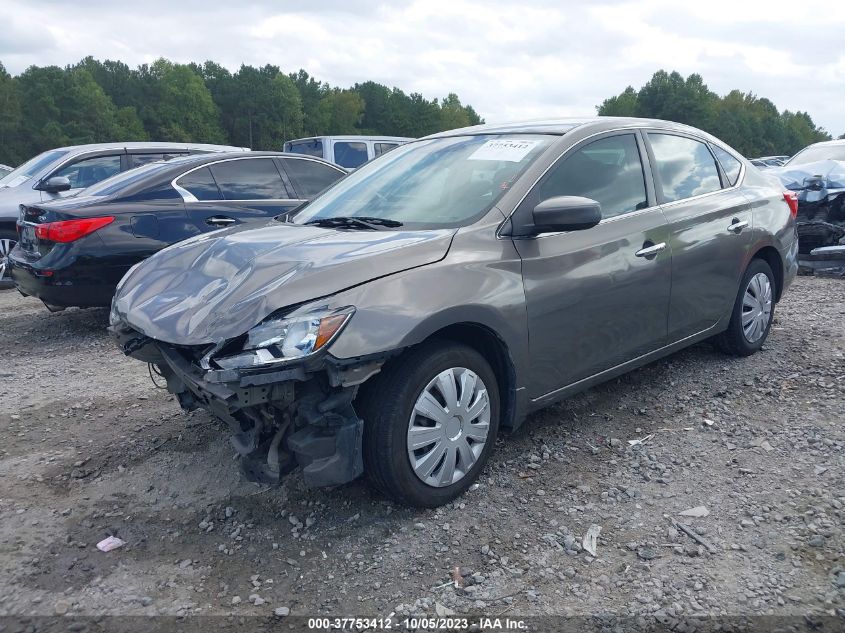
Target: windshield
(437,183)
(31,167)
(814,153)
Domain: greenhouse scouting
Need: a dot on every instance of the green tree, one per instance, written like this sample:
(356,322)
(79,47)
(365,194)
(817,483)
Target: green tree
(180,107)
(623,104)
(11,119)
(752,125)
(311,92)
(66,106)
(340,112)
(453,114)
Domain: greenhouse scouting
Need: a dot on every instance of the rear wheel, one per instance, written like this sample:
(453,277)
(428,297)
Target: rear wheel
(430,421)
(753,311)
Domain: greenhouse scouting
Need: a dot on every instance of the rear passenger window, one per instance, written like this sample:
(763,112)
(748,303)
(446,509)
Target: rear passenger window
(200,184)
(684,167)
(383,148)
(309,176)
(350,154)
(249,179)
(609,171)
(730,164)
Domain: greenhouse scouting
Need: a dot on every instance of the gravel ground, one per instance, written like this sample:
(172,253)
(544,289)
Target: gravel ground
(89,448)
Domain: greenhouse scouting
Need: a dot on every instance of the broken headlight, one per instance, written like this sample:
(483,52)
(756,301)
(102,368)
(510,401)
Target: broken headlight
(278,339)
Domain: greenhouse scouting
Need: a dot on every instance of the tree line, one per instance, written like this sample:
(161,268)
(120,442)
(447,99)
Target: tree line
(94,101)
(751,124)
(98,101)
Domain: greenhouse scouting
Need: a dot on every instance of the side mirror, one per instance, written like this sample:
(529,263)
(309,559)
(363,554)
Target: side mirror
(566,213)
(54,184)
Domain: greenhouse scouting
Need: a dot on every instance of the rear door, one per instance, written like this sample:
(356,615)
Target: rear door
(709,225)
(599,297)
(237,190)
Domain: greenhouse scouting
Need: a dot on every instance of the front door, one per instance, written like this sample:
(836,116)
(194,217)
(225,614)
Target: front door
(599,297)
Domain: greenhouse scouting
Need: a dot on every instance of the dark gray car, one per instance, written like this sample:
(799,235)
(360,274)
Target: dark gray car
(449,288)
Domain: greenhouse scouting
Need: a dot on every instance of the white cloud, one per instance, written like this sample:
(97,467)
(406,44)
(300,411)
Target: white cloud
(509,60)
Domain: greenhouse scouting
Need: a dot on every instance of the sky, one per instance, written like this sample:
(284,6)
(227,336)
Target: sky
(509,60)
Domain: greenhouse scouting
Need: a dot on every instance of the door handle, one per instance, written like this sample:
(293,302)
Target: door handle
(219,220)
(737,226)
(650,251)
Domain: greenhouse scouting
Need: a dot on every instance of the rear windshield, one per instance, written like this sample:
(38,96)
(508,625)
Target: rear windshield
(32,167)
(436,183)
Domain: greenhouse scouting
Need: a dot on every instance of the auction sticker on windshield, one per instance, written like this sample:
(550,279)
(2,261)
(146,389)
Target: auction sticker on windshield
(512,150)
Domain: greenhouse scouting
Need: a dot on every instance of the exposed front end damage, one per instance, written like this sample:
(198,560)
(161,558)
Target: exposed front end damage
(820,221)
(292,415)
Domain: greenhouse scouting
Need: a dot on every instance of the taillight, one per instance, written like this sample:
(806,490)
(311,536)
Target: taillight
(792,200)
(70,230)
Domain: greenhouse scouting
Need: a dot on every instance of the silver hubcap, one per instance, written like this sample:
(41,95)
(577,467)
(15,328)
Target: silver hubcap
(756,307)
(448,427)
(6,247)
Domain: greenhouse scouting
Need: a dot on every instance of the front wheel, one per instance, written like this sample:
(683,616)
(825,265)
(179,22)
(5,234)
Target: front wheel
(430,421)
(753,311)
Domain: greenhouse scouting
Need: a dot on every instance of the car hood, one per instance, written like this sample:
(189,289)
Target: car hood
(217,286)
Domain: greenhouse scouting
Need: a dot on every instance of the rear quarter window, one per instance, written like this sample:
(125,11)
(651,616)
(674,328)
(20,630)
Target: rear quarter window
(309,176)
(730,164)
(200,184)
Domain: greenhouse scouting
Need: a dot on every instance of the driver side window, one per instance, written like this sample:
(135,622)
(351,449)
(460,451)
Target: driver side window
(89,171)
(609,171)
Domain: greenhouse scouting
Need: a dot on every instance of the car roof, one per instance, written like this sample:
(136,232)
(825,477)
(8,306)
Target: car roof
(564,125)
(836,141)
(352,137)
(92,147)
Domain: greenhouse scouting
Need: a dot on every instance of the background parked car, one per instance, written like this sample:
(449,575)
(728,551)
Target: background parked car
(65,171)
(5,169)
(72,252)
(817,176)
(764,162)
(346,151)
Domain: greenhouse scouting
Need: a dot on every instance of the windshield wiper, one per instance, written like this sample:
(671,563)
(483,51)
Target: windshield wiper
(364,222)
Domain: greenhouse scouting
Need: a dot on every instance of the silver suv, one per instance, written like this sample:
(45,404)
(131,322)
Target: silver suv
(397,321)
(65,171)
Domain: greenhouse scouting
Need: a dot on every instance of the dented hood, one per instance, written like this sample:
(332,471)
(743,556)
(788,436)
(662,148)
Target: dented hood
(827,174)
(217,286)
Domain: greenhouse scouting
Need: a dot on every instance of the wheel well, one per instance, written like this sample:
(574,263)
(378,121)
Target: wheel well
(770,255)
(487,343)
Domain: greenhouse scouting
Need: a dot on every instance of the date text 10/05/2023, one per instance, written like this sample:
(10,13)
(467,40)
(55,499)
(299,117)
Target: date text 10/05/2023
(429,623)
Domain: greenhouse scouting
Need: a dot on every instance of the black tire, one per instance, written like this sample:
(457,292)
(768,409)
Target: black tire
(386,402)
(733,340)
(12,236)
